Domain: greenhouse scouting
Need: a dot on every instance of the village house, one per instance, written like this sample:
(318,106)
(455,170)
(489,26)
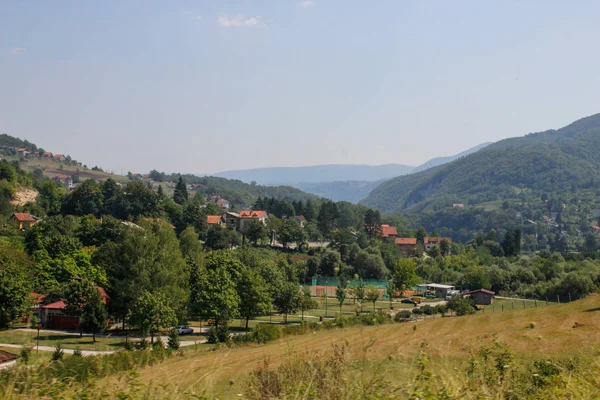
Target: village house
(458,205)
(66,180)
(299,219)
(431,242)
(240,220)
(220,202)
(408,246)
(217,220)
(59,157)
(22,152)
(388,231)
(55,315)
(23,220)
(48,155)
(440,291)
(480,297)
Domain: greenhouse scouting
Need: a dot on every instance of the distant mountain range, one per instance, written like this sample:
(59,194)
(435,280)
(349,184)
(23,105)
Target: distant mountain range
(337,182)
(555,162)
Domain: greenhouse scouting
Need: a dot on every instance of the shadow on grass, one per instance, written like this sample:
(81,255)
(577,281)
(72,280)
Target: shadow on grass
(593,309)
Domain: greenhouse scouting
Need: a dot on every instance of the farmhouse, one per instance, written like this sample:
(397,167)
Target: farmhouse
(388,231)
(241,220)
(220,202)
(480,296)
(218,220)
(24,220)
(48,155)
(431,242)
(407,245)
(59,157)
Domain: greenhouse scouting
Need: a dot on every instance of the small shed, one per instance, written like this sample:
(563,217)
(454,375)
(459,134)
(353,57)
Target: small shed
(481,296)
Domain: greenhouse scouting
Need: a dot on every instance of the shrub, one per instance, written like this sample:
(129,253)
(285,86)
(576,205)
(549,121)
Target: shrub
(328,325)
(531,325)
(77,353)
(212,337)
(264,333)
(25,354)
(173,342)
(158,343)
(417,311)
(402,316)
(223,334)
(128,346)
(58,353)
(428,310)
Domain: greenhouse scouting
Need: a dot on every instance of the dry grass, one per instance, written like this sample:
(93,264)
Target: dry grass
(225,372)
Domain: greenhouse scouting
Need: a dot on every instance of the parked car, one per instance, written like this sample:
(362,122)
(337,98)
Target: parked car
(183,330)
(408,301)
(430,295)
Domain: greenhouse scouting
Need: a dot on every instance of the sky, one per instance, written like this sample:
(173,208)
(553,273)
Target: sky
(206,86)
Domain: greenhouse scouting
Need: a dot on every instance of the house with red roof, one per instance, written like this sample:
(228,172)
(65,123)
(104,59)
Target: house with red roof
(56,316)
(388,231)
(217,220)
(431,242)
(408,246)
(23,220)
(240,220)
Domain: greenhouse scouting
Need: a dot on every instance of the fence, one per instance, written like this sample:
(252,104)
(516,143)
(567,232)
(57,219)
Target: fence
(327,286)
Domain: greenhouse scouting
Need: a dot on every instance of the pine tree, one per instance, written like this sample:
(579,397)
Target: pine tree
(181,194)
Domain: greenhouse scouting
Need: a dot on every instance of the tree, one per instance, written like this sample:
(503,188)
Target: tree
(460,306)
(256,231)
(327,216)
(290,232)
(340,293)
(306,301)
(445,247)
(421,235)
(15,298)
(287,299)
(405,274)
(151,312)
(390,291)
(508,244)
(215,296)
(372,222)
(173,340)
(474,278)
(255,298)
(87,198)
(180,194)
(372,294)
(359,292)
(93,314)
(77,293)
(329,262)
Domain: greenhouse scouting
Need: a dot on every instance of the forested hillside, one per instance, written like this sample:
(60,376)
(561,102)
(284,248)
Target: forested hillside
(554,162)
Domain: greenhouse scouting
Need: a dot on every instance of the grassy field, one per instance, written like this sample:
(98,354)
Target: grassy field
(66,341)
(563,330)
(35,357)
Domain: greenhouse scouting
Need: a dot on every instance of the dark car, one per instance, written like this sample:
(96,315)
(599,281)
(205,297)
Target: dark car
(408,301)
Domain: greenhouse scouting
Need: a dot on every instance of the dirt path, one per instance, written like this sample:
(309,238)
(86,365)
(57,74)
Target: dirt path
(24,196)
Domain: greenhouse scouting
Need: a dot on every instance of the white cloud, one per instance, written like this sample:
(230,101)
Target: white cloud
(306,3)
(17,50)
(239,21)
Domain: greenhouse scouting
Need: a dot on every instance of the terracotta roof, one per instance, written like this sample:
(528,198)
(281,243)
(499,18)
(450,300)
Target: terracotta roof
(301,218)
(24,217)
(482,291)
(222,201)
(213,219)
(387,231)
(407,241)
(57,305)
(58,155)
(5,356)
(252,214)
(38,297)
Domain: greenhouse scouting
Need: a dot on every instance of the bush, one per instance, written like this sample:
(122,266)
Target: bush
(212,337)
(428,310)
(25,354)
(158,343)
(223,334)
(58,353)
(77,353)
(128,346)
(143,344)
(264,333)
(402,316)
(417,311)
(173,342)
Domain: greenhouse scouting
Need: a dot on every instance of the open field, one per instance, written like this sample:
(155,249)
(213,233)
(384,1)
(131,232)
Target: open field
(52,168)
(562,331)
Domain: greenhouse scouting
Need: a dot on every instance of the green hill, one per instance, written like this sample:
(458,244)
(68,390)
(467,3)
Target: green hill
(556,162)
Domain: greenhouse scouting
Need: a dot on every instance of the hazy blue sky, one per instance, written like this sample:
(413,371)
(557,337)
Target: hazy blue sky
(204,86)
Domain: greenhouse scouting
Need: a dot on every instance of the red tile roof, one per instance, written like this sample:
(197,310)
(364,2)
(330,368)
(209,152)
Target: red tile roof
(57,305)
(406,241)
(24,217)
(254,214)
(213,219)
(387,231)
(222,201)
